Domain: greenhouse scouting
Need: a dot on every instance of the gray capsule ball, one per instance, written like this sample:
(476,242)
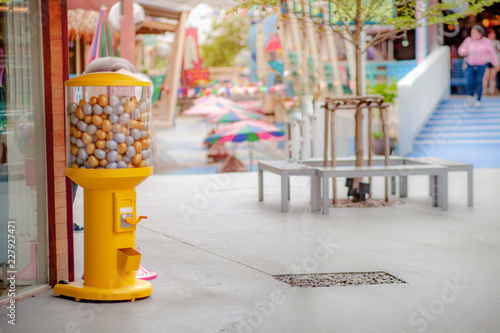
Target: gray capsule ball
(111,165)
(135,133)
(114,100)
(80,143)
(126,159)
(108,109)
(119,137)
(129,140)
(82,154)
(123,100)
(97,109)
(74,119)
(145,154)
(91,129)
(72,140)
(122,165)
(119,110)
(100,154)
(112,145)
(87,109)
(80,160)
(112,156)
(124,118)
(147,125)
(72,158)
(149,162)
(82,126)
(144,134)
(130,152)
(113,118)
(143,106)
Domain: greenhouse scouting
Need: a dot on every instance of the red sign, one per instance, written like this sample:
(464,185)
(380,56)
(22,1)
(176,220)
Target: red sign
(196,77)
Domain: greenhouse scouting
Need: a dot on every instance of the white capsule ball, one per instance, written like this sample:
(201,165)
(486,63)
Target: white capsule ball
(82,154)
(136,114)
(100,154)
(130,152)
(72,108)
(119,110)
(147,125)
(91,129)
(119,137)
(113,118)
(124,118)
(80,143)
(87,109)
(111,165)
(82,126)
(111,144)
(143,106)
(74,119)
(135,133)
(112,156)
(108,109)
(97,109)
(145,154)
(149,162)
(123,100)
(129,140)
(144,134)
(114,100)
(121,165)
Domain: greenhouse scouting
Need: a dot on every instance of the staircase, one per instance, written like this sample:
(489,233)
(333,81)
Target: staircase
(463,133)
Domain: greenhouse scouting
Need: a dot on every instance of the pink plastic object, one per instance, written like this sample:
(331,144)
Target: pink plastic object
(144,274)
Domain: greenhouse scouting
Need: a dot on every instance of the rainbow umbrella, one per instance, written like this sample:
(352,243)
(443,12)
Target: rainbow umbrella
(247,130)
(231,116)
(103,44)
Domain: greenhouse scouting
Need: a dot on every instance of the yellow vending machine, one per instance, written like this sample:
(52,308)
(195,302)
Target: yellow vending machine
(109,153)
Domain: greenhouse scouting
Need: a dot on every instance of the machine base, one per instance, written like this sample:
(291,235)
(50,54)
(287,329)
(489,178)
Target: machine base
(80,291)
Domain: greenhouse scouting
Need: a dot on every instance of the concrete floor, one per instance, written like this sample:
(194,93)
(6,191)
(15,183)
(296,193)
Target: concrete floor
(215,248)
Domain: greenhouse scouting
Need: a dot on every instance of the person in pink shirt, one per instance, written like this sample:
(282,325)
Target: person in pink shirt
(478,52)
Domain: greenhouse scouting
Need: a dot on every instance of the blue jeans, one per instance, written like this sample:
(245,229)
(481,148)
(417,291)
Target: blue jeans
(475,74)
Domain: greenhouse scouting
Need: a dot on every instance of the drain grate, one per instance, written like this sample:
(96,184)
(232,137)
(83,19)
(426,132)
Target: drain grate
(338,279)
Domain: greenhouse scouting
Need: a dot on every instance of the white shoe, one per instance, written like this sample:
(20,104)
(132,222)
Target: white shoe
(471,100)
(478,103)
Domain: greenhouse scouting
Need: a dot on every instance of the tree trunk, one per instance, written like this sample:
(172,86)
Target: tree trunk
(359,89)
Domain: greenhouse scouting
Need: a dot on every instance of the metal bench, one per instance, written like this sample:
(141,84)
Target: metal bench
(285,169)
(440,194)
(451,165)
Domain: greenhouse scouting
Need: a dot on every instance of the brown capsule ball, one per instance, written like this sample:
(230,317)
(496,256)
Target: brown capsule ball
(117,127)
(119,158)
(134,99)
(106,125)
(107,150)
(142,164)
(104,116)
(136,159)
(132,124)
(93,100)
(75,165)
(100,144)
(129,106)
(137,146)
(140,125)
(144,117)
(100,134)
(93,161)
(81,103)
(125,131)
(109,136)
(87,138)
(102,100)
(90,149)
(130,165)
(148,132)
(96,120)
(122,148)
(74,150)
(103,163)
(79,113)
(77,133)
(88,119)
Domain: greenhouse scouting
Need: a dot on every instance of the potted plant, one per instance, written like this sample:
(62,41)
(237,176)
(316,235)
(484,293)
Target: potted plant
(389,92)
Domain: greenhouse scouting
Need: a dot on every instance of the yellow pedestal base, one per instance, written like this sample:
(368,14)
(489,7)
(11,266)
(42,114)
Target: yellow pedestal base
(79,291)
